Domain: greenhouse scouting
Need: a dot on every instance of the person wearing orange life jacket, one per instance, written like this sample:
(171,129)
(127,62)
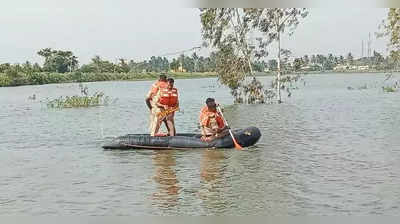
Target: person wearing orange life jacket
(151,101)
(211,122)
(168,99)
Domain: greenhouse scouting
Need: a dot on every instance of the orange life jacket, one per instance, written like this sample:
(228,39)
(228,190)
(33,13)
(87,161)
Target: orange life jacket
(210,118)
(157,86)
(168,97)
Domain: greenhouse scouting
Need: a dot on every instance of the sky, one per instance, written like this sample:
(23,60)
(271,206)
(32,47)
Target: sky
(120,29)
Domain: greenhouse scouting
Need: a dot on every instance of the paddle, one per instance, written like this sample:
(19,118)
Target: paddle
(237,146)
(161,115)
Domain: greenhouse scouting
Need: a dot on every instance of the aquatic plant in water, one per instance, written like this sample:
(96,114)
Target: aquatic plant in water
(85,100)
(389,89)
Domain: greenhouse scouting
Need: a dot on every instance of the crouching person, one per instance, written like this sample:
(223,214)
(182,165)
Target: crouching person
(211,122)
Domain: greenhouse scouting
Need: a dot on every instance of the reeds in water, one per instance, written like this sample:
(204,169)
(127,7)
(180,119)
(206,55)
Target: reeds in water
(85,100)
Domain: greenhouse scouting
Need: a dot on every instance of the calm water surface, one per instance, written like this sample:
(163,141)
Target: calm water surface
(327,150)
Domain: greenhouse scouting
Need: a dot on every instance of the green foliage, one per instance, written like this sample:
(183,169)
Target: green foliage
(389,89)
(325,63)
(231,68)
(85,100)
(391,27)
(228,29)
(62,66)
(350,59)
(58,61)
(38,78)
(4,80)
(393,87)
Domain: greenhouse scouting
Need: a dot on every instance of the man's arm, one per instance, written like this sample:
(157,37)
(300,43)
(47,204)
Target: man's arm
(153,91)
(148,103)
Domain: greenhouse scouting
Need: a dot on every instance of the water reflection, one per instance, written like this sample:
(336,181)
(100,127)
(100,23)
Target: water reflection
(213,181)
(165,177)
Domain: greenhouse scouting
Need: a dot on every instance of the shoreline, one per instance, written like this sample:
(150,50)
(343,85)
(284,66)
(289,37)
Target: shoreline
(77,77)
(45,78)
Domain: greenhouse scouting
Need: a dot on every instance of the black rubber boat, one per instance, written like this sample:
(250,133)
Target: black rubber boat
(245,137)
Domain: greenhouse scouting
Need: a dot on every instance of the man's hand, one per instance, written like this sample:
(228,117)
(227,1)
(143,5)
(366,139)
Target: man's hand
(220,107)
(148,103)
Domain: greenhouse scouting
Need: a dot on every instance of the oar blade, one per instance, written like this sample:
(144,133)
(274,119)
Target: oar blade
(235,143)
(237,146)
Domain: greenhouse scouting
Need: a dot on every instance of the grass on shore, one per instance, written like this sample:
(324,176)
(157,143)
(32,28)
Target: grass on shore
(41,78)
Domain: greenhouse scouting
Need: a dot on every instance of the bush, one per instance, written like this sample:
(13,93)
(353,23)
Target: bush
(85,100)
(4,80)
(37,79)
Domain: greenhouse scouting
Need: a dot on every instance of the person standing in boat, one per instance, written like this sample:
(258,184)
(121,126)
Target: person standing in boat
(211,122)
(151,101)
(168,103)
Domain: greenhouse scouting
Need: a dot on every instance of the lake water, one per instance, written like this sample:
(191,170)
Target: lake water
(326,150)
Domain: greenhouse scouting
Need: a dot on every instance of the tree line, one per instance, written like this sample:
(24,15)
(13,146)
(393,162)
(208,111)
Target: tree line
(63,66)
(60,61)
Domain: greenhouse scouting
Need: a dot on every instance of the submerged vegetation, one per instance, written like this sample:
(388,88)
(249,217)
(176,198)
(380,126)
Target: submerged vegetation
(228,30)
(389,89)
(392,86)
(84,100)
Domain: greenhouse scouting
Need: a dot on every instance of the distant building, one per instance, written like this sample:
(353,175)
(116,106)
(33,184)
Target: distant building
(179,69)
(341,67)
(363,67)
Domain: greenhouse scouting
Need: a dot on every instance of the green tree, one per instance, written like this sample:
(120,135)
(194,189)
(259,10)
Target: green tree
(36,68)
(391,28)
(341,60)
(272,23)
(195,59)
(297,63)
(4,67)
(378,60)
(313,59)
(306,59)
(329,62)
(122,66)
(58,61)
(350,59)
(227,31)
(174,65)
(99,65)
